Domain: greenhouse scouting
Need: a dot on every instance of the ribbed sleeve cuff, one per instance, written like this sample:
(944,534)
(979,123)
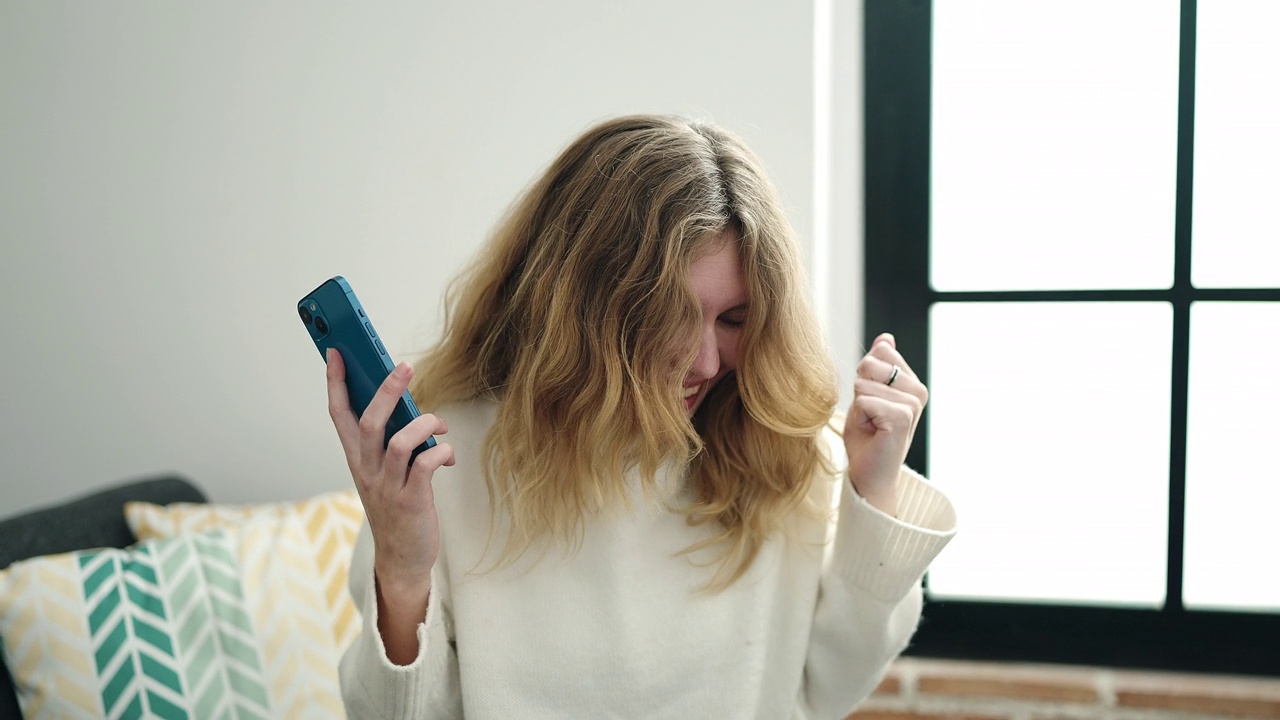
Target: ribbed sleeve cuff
(887,556)
(402,691)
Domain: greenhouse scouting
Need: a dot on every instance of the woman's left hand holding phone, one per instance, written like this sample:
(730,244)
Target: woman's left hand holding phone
(398,500)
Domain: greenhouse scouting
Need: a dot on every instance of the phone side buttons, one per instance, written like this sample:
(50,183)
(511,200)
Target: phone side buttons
(379,344)
(369,329)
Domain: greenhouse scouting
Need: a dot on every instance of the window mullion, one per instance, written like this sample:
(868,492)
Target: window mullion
(1182,298)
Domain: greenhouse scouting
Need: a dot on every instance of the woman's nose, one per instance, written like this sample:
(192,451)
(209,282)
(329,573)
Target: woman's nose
(707,362)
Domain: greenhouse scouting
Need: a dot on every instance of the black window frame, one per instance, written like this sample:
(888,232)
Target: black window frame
(897,76)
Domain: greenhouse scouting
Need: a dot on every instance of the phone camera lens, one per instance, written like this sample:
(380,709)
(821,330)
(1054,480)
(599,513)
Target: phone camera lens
(321,325)
(305,314)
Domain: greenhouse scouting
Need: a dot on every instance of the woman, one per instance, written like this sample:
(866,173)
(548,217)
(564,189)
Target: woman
(653,512)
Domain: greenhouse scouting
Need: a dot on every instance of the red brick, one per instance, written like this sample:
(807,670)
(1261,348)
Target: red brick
(1202,703)
(1228,696)
(1011,686)
(909,715)
(891,685)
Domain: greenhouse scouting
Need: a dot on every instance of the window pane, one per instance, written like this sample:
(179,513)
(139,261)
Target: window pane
(1049,426)
(1235,239)
(1233,486)
(1054,144)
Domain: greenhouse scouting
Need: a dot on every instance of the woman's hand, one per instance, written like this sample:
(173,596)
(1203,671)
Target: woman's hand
(888,400)
(398,500)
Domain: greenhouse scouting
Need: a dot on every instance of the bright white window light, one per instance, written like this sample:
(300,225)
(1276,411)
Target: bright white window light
(1235,238)
(1233,487)
(1054,144)
(1049,428)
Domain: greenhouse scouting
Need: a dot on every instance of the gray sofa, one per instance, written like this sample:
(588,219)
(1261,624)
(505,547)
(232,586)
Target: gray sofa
(89,521)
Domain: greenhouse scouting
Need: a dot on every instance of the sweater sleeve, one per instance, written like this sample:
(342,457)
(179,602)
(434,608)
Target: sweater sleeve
(870,596)
(374,687)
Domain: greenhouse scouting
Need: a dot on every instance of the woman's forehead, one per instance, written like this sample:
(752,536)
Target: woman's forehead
(717,277)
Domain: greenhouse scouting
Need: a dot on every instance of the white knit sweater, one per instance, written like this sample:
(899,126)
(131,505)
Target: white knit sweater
(622,627)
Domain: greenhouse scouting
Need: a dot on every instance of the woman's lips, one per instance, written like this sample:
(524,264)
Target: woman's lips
(692,395)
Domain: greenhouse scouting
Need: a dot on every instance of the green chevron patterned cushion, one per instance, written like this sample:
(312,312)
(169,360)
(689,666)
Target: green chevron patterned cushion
(331,521)
(209,625)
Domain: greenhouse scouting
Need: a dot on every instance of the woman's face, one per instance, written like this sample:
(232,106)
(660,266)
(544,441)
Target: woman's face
(722,293)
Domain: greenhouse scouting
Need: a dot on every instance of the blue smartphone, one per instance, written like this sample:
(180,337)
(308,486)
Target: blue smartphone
(335,319)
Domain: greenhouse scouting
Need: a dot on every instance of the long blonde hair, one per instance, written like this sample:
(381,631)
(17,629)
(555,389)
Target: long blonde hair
(577,317)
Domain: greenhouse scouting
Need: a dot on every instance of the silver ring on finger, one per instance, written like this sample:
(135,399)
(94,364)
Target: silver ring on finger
(893,376)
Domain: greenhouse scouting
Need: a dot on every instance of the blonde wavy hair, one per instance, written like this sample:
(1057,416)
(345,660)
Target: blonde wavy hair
(579,318)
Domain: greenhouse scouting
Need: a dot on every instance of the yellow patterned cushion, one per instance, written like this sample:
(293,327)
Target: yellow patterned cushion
(224,623)
(330,522)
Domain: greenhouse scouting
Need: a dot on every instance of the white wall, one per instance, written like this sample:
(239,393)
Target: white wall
(173,177)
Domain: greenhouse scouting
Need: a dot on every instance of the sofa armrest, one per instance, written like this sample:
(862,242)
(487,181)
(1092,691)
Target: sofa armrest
(89,521)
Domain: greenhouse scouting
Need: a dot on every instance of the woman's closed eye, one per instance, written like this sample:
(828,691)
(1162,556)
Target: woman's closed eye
(733,320)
